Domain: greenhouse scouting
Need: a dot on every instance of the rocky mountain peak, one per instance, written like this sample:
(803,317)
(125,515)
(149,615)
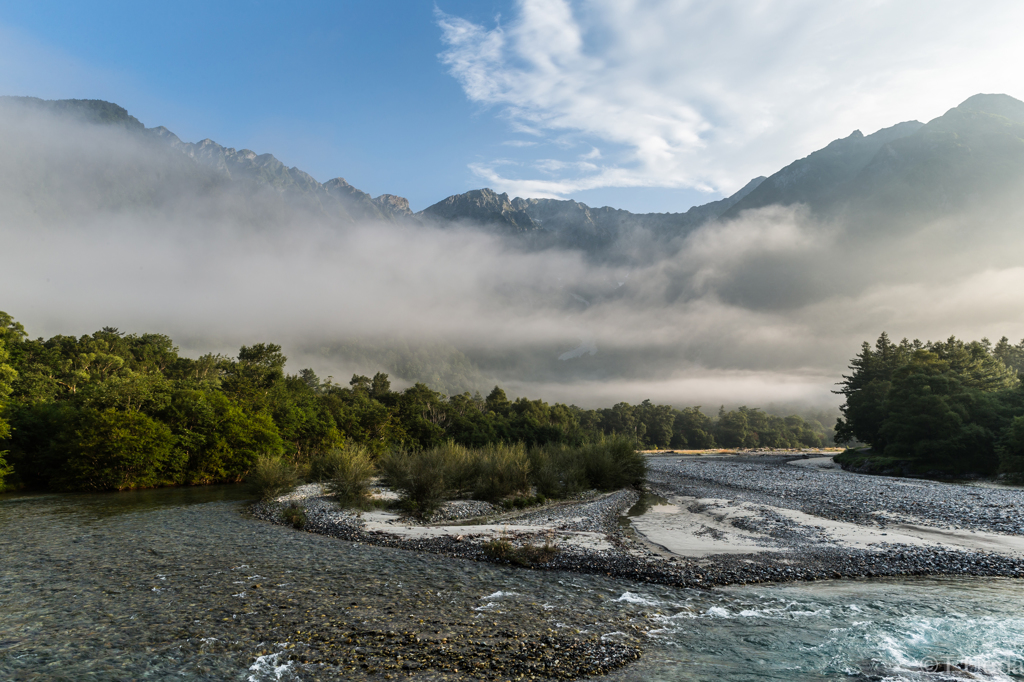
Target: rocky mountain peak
(483,206)
(393,206)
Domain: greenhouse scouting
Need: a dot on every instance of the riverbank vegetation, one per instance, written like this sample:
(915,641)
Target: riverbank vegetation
(114,411)
(947,408)
(500,471)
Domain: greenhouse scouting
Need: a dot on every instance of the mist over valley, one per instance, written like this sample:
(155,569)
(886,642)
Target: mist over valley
(759,298)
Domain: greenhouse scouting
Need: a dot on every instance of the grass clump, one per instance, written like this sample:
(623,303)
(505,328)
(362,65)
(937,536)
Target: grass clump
(501,550)
(295,515)
(271,476)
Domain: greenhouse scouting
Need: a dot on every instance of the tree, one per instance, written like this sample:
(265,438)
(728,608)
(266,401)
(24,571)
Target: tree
(257,370)
(866,388)
(622,419)
(219,441)
(380,387)
(658,423)
(1011,355)
(1010,450)
(7,377)
(497,402)
(115,450)
(693,429)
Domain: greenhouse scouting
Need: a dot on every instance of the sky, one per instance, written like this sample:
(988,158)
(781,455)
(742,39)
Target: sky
(644,105)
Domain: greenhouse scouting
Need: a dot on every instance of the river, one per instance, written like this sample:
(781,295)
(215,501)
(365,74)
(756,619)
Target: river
(179,584)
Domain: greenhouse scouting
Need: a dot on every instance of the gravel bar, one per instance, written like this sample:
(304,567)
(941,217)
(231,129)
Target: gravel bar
(761,479)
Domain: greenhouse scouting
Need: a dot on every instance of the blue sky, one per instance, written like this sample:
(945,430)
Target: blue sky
(650,106)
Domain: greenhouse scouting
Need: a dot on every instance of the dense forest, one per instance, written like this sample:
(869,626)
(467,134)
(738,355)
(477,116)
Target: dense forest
(111,411)
(948,407)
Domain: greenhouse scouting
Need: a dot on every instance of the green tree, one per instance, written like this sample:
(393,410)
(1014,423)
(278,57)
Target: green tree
(497,402)
(219,441)
(1010,449)
(866,388)
(7,377)
(657,423)
(115,450)
(256,371)
(693,429)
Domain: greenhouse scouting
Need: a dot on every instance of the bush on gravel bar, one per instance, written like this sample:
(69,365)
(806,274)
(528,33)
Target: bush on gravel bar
(272,476)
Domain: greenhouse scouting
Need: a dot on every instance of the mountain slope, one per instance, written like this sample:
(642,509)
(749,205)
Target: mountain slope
(257,177)
(973,151)
(571,224)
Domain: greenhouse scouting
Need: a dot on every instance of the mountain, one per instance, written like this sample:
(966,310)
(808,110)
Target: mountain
(260,178)
(571,224)
(482,207)
(972,154)
(85,110)
(973,151)
(822,178)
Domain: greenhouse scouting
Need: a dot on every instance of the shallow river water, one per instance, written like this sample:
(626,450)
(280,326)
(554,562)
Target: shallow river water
(179,585)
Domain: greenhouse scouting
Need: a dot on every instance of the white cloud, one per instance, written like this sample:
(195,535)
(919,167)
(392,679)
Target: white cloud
(708,95)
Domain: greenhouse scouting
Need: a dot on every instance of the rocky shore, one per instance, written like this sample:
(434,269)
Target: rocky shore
(731,520)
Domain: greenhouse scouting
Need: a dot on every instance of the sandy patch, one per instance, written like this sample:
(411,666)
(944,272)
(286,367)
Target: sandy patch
(695,534)
(394,524)
(711,531)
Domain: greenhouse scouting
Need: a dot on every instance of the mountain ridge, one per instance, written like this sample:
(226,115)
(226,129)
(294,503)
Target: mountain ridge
(972,148)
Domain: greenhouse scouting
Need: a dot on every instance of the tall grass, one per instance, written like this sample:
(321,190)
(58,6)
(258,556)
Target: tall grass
(272,476)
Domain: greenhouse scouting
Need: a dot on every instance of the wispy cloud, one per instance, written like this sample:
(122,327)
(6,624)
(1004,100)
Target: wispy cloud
(708,95)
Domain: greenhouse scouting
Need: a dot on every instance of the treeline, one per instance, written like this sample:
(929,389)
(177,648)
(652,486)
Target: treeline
(111,411)
(950,407)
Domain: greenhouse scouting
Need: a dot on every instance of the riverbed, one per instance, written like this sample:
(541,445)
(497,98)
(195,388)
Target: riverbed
(178,584)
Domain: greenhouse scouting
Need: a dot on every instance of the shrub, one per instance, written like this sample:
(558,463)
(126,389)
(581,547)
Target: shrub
(501,470)
(294,515)
(425,478)
(323,464)
(272,476)
(523,502)
(350,474)
(498,549)
(607,464)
